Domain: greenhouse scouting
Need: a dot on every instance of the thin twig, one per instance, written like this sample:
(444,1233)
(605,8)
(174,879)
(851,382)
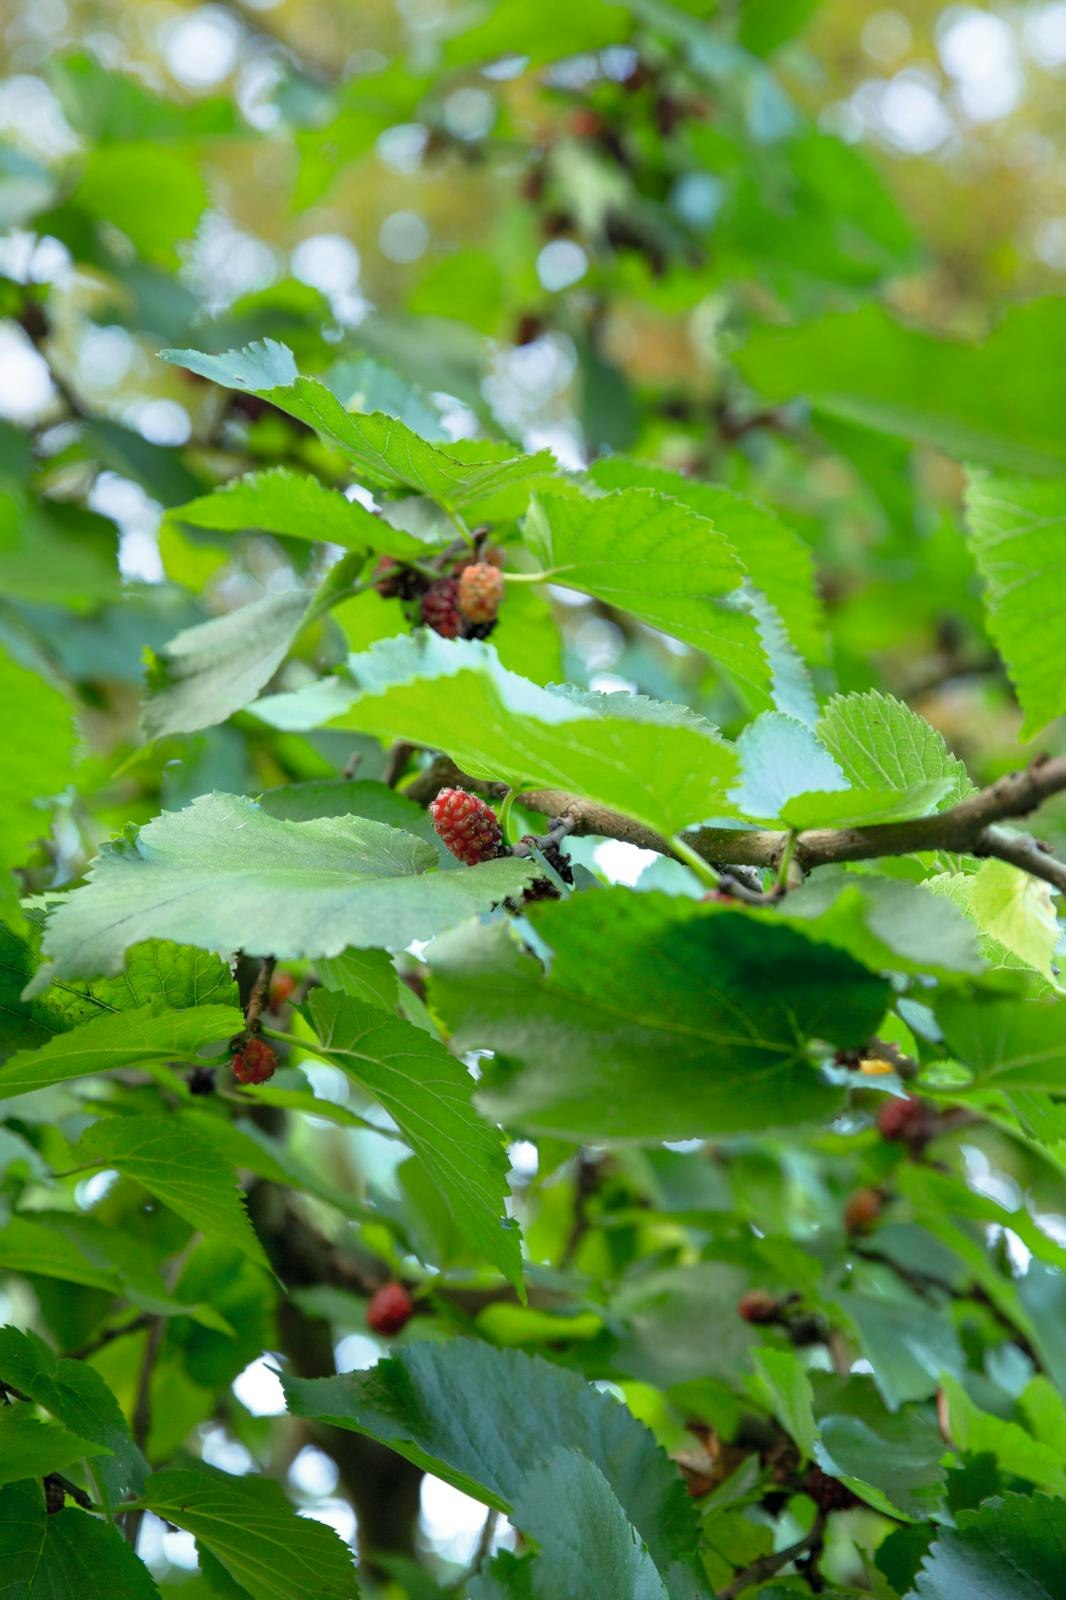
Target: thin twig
(396,762)
(91,1346)
(260,993)
(766,1566)
(141,1422)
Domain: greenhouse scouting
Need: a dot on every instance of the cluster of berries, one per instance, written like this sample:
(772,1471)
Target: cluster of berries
(463,603)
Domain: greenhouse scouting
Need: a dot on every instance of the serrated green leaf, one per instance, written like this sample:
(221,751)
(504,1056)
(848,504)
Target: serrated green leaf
(429,1096)
(1013,910)
(180,1169)
(893,1460)
(77,1397)
(776,559)
(224,875)
(647,554)
(178,976)
(386,452)
(781,758)
(279,500)
(860,808)
(260,1541)
(909,1344)
(791,1396)
(1013,1548)
(30,1448)
(658,763)
(887,923)
(70,1553)
(118,1039)
(730,1004)
(881,743)
(566,1504)
(477,1417)
(1016,1451)
(1018,538)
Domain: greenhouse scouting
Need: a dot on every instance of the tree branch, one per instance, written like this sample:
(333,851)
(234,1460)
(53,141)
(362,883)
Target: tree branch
(766,1566)
(967,828)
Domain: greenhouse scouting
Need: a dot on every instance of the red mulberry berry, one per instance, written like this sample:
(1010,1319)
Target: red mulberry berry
(391,1308)
(905,1119)
(467,825)
(480,592)
(253,1060)
(282,989)
(440,608)
(758,1305)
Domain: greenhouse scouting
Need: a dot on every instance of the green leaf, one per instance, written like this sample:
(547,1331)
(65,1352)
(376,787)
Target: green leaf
(859,808)
(1013,910)
(1018,539)
(118,1039)
(567,1506)
(153,193)
(179,1168)
(657,763)
(650,555)
(1013,1548)
(543,30)
(429,1096)
(777,560)
(67,1554)
(892,1460)
(1016,1451)
(791,1396)
(781,758)
(79,1398)
(208,672)
(1009,1044)
(385,451)
(178,976)
(909,1344)
(881,743)
(730,1003)
(38,753)
(225,875)
(248,1527)
(279,500)
(962,398)
(478,1417)
(30,1448)
(888,924)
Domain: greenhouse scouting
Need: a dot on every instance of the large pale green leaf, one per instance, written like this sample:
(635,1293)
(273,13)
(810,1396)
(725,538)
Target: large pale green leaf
(67,1556)
(886,923)
(1013,1548)
(698,1024)
(781,758)
(385,451)
(963,398)
(36,765)
(478,1418)
(1014,912)
(658,763)
(178,976)
(908,1343)
(544,30)
(30,1448)
(892,1459)
(429,1096)
(1016,1451)
(153,193)
(645,553)
(77,1397)
(225,875)
(1018,538)
(247,1526)
(881,743)
(118,1039)
(566,1504)
(177,1166)
(776,560)
(1009,1044)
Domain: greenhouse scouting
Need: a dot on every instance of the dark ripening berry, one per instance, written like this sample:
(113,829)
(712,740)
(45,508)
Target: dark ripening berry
(758,1305)
(528,328)
(829,1494)
(862,1210)
(467,825)
(480,592)
(556,857)
(905,1119)
(391,1308)
(253,1060)
(440,608)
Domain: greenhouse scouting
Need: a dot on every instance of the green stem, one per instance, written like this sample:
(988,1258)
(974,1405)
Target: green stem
(785,863)
(310,1045)
(703,869)
(505,816)
(531,577)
